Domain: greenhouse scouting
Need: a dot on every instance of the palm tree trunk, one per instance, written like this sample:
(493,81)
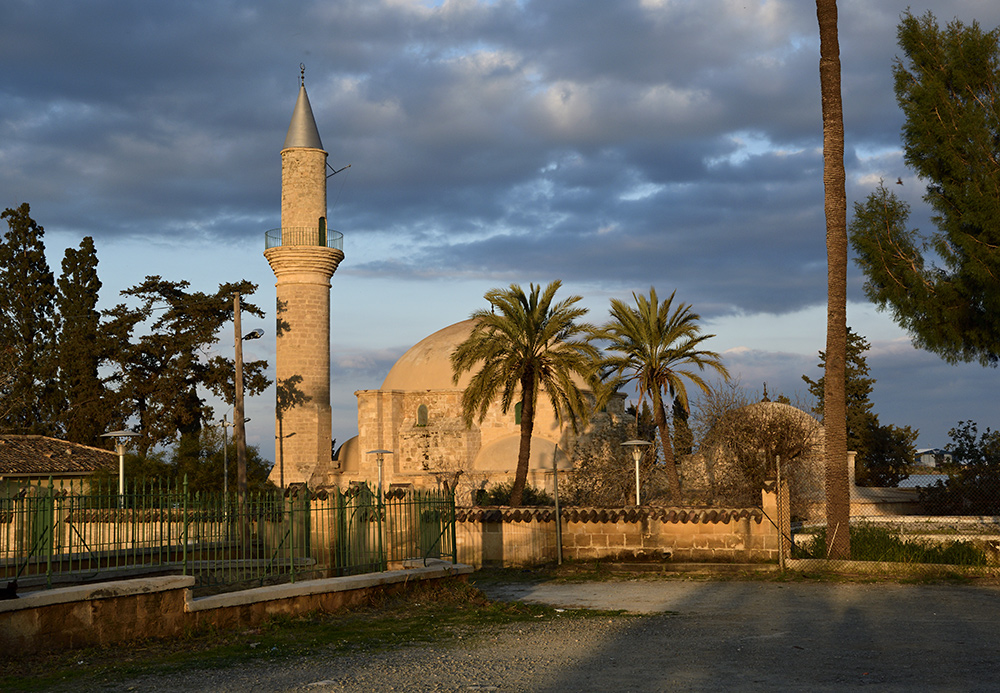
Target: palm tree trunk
(659,413)
(524,449)
(838,510)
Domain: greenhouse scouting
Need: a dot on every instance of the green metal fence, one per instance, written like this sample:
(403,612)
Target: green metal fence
(51,534)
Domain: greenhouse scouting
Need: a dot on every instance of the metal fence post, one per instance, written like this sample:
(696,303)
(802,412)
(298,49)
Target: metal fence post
(454,532)
(379,507)
(184,533)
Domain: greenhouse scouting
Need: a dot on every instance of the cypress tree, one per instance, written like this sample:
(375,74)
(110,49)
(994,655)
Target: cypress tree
(29,399)
(82,348)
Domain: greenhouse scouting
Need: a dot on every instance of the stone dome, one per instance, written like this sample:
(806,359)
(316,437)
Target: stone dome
(427,364)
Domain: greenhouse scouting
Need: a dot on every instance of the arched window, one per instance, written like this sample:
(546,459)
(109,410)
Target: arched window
(422,415)
(517,414)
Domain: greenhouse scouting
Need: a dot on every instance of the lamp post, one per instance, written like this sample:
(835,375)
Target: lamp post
(239,428)
(638,449)
(379,460)
(119,437)
(281,452)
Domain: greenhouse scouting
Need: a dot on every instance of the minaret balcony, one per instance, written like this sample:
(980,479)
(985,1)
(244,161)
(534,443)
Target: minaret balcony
(316,236)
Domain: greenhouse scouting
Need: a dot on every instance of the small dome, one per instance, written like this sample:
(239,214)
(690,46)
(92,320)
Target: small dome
(427,364)
(500,456)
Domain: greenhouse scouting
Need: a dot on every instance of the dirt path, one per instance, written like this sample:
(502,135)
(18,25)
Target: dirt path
(697,636)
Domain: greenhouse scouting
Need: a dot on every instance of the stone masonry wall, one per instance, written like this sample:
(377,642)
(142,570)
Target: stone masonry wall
(511,537)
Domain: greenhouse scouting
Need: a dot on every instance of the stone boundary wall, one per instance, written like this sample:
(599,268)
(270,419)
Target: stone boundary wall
(513,537)
(115,612)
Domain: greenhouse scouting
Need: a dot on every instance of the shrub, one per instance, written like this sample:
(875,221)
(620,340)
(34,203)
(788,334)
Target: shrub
(499,494)
(873,543)
(973,485)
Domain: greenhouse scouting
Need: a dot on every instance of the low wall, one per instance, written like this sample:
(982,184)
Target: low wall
(509,537)
(114,612)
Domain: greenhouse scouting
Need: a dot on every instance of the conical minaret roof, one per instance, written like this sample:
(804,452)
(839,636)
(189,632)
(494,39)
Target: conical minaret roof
(303,132)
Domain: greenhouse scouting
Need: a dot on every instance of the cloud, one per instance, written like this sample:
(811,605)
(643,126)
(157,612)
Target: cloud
(614,145)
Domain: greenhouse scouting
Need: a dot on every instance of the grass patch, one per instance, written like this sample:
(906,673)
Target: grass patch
(873,543)
(457,610)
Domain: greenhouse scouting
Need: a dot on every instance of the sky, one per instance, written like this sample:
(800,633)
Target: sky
(612,145)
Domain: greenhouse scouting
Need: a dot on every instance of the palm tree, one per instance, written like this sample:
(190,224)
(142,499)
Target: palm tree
(656,348)
(838,511)
(525,344)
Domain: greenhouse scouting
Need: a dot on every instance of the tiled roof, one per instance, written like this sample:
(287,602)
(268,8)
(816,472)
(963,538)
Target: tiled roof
(42,456)
(604,515)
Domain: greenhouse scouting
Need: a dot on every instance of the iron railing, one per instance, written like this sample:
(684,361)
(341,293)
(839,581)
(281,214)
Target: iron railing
(304,235)
(53,534)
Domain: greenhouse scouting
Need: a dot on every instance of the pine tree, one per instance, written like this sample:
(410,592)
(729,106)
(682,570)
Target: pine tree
(28,327)
(164,373)
(857,387)
(883,451)
(947,88)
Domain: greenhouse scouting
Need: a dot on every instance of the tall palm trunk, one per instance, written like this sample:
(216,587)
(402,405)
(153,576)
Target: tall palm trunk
(838,509)
(524,449)
(660,415)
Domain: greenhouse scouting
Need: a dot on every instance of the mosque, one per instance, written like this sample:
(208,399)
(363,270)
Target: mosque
(415,418)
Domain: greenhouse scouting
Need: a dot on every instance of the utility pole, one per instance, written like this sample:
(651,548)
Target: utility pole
(239,429)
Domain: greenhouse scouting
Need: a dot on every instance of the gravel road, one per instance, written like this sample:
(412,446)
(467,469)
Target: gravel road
(692,636)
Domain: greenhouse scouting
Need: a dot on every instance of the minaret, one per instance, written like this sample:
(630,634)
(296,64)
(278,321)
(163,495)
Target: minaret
(303,255)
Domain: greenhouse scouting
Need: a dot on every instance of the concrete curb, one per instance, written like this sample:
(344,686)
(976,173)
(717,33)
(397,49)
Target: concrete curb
(433,569)
(98,590)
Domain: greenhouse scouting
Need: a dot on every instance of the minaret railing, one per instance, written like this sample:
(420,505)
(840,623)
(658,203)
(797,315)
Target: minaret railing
(304,235)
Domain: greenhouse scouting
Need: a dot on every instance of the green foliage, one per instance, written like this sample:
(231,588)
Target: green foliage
(65,372)
(683,437)
(871,542)
(524,345)
(883,452)
(857,386)
(500,494)
(163,373)
(888,452)
(29,396)
(658,347)
(82,349)
(973,484)
(946,85)
(200,459)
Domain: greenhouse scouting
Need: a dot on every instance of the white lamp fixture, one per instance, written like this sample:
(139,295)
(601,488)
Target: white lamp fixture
(379,460)
(638,448)
(120,437)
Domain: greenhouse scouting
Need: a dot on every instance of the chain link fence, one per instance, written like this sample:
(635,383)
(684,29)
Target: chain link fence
(940,516)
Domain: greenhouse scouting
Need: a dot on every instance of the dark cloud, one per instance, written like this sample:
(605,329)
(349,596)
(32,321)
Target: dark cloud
(618,144)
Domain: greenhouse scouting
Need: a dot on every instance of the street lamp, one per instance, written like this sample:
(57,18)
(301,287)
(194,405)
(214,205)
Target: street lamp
(638,449)
(379,459)
(119,437)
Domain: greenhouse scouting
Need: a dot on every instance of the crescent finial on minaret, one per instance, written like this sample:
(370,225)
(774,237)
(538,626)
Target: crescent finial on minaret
(302,75)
